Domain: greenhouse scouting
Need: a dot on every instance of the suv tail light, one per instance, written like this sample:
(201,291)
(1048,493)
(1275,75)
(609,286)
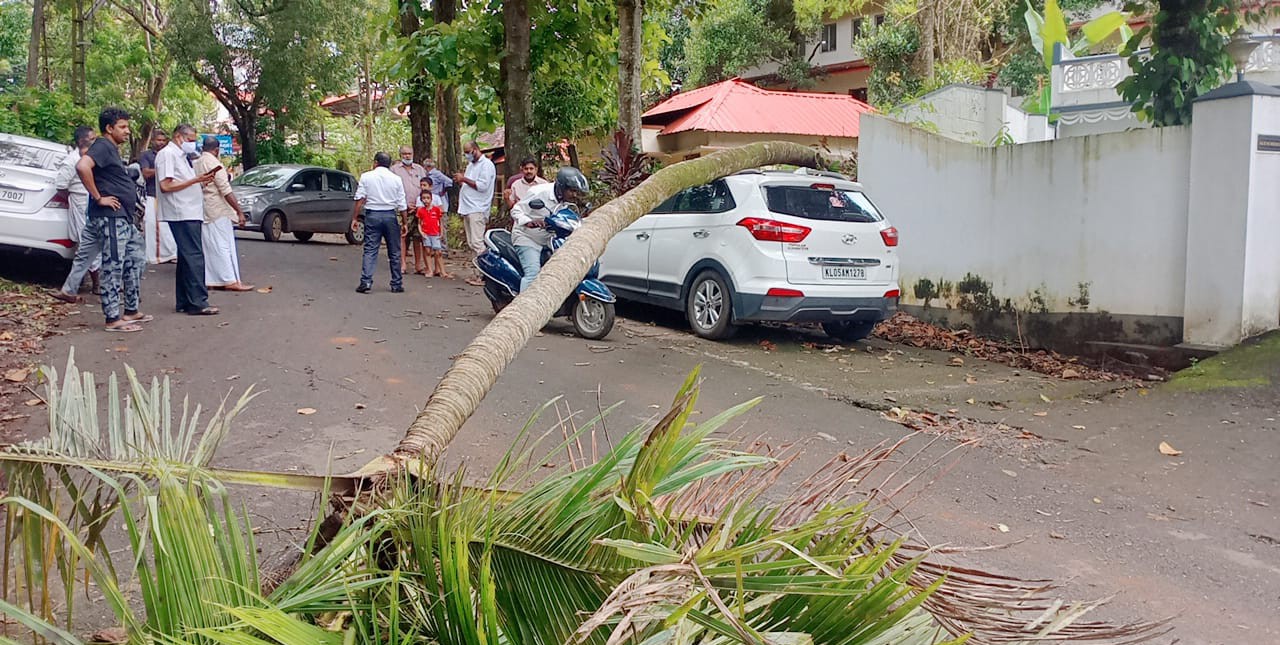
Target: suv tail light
(769,230)
(59,200)
(890,236)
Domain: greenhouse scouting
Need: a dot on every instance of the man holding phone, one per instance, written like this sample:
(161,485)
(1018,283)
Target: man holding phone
(181,205)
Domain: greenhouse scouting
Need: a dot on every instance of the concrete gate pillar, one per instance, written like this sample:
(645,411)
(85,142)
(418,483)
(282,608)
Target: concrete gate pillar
(1233,218)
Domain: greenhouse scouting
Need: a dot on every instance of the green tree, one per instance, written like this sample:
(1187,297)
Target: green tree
(1187,57)
(730,37)
(282,57)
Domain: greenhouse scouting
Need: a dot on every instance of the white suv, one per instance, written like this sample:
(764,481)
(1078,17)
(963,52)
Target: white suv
(798,246)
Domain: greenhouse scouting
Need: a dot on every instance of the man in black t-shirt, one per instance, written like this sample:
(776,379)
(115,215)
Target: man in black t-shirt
(110,230)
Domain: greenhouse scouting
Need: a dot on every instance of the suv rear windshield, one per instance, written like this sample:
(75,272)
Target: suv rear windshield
(821,203)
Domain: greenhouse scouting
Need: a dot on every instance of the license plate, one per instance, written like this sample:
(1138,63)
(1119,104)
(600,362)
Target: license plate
(13,196)
(844,273)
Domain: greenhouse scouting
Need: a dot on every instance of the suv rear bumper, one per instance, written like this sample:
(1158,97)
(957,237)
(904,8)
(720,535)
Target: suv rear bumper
(755,307)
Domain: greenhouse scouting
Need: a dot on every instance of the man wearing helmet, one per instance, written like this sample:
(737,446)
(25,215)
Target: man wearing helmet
(528,231)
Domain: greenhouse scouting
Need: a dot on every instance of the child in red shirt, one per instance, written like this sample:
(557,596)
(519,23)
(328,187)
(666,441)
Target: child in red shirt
(430,212)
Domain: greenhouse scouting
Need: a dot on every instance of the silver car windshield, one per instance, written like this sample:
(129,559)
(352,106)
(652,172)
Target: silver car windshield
(264,177)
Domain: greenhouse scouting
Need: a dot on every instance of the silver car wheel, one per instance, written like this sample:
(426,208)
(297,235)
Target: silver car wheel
(708,304)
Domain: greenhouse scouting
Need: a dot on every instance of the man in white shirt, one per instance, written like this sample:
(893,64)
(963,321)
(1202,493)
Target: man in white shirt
(529,232)
(180,203)
(380,195)
(475,199)
(78,213)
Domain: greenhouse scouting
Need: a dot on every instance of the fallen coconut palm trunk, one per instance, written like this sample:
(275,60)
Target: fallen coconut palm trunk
(478,367)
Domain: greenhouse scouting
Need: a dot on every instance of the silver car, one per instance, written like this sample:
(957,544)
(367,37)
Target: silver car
(302,200)
(33,214)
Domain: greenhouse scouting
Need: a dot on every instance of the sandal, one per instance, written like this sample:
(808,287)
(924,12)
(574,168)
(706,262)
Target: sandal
(59,294)
(238,287)
(207,311)
(474,282)
(143,318)
(126,328)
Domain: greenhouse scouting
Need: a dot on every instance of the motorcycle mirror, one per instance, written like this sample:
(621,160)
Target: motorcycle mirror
(537,205)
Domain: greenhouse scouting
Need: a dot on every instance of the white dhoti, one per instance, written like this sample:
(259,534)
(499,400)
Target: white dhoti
(78,207)
(221,266)
(160,244)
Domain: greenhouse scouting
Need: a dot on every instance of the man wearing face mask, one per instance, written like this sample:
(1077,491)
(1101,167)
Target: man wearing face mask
(181,205)
(475,199)
(411,175)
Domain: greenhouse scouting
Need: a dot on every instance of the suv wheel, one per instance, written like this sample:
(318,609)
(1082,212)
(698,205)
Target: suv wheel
(709,307)
(272,226)
(303,236)
(849,331)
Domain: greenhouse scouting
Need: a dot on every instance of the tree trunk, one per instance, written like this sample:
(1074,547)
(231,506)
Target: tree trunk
(78,47)
(420,124)
(246,120)
(516,82)
(418,90)
(477,368)
(928,36)
(155,99)
(35,43)
(448,123)
(630,64)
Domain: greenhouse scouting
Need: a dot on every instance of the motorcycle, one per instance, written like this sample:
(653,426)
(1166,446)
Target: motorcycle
(591,305)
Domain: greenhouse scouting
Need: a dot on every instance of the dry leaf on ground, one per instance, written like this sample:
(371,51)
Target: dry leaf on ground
(266,289)
(306,411)
(1168,450)
(17,375)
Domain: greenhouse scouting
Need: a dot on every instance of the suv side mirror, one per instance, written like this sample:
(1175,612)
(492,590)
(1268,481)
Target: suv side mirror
(297,188)
(537,205)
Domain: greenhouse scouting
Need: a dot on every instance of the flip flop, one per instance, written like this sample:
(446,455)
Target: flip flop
(144,318)
(243,287)
(123,329)
(207,311)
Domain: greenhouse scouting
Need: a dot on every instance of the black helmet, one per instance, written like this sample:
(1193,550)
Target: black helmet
(568,178)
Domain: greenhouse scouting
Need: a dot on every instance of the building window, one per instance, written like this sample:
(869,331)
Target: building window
(860,94)
(857,30)
(879,19)
(828,38)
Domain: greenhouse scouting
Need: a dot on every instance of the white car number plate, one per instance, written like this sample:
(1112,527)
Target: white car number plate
(844,273)
(13,195)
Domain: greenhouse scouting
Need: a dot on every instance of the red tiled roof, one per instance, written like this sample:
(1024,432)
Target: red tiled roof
(738,106)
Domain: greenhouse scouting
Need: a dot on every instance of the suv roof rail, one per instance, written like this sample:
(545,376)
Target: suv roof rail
(750,171)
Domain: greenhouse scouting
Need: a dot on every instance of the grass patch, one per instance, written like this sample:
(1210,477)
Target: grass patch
(1251,364)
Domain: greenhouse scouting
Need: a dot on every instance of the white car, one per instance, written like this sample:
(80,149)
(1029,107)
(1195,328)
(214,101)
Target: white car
(33,214)
(780,246)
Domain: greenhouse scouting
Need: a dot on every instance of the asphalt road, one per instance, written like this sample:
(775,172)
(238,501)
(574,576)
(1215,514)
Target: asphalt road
(1092,503)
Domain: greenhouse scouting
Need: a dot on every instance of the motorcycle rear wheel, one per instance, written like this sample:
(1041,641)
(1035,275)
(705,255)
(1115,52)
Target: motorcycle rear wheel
(496,294)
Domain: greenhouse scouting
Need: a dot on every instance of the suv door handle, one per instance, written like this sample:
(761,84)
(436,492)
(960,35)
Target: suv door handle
(642,236)
(701,233)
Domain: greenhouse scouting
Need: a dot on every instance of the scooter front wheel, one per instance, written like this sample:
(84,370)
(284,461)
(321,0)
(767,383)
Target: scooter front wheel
(496,294)
(592,319)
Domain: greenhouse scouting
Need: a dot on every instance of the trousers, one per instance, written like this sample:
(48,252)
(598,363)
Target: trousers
(189,289)
(379,225)
(120,246)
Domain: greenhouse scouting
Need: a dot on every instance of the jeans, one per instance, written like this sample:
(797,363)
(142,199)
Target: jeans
(377,225)
(188,281)
(121,249)
(83,263)
(530,265)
